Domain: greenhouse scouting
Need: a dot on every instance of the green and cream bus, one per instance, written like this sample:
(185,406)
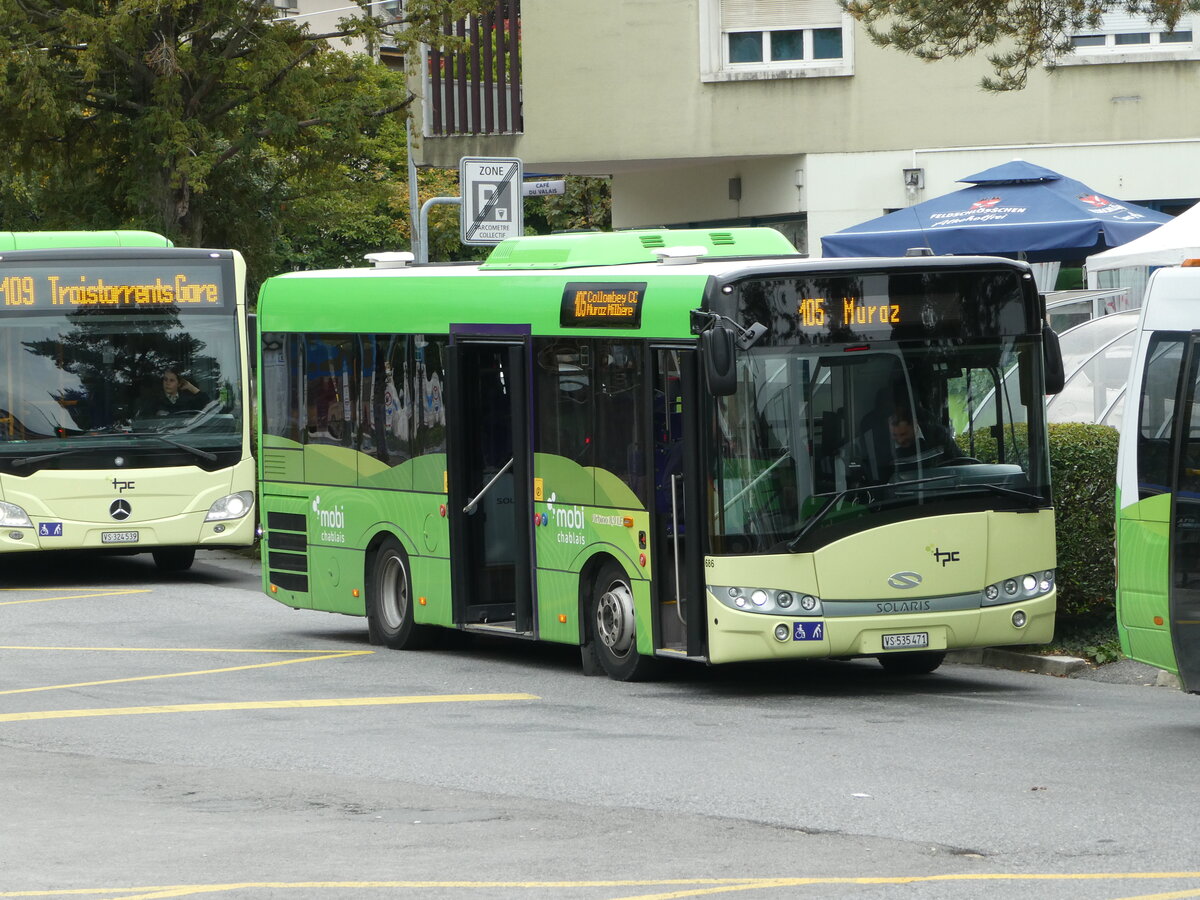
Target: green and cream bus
(1158,481)
(663,445)
(123,396)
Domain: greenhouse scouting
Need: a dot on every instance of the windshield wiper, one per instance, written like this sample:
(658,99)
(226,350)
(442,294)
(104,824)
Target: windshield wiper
(833,501)
(23,461)
(1000,489)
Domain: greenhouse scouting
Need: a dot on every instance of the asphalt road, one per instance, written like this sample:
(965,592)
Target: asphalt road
(188,736)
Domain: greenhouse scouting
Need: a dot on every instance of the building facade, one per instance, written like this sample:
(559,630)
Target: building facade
(782,112)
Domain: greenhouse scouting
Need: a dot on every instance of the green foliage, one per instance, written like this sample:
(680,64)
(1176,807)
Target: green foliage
(216,124)
(1083,469)
(586,206)
(1022,34)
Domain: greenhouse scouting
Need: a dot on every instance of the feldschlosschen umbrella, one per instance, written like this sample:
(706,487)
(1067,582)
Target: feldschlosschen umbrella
(1009,210)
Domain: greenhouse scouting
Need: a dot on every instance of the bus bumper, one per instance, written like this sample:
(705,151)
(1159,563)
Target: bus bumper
(735,636)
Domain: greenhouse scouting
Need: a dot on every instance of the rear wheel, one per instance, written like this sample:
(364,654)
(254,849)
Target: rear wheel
(614,628)
(174,559)
(921,662)
(389,601)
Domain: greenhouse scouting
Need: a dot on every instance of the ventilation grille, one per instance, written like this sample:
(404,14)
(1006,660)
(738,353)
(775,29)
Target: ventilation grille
(652,241)
(287,550)
(722,238)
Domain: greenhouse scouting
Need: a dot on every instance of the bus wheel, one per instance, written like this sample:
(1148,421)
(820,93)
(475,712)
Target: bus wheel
(389,601)
(174,559)
(919,663)
(614,628)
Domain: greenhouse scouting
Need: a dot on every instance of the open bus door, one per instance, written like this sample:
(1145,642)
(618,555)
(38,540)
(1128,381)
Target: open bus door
(1184,592)
(490,500)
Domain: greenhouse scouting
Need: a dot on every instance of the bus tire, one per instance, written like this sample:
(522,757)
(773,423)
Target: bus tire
(614,629)
(389,600)
(920,662)
(174,559)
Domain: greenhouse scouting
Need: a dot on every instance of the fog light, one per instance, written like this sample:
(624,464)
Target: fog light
(16,535)
(784,599)
(759,598)
(217,529)
(808,602)
(1018,619)
(782,632)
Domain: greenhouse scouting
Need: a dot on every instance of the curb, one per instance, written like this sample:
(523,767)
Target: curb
(1062,666)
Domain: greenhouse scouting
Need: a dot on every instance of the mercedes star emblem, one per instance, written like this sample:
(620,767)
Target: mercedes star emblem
(120,510)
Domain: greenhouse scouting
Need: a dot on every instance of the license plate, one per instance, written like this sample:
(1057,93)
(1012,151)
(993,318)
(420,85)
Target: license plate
(906,641)
(118,537)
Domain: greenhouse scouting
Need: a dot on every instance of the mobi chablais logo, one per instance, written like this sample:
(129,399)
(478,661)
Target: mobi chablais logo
(331,520)
(568,520)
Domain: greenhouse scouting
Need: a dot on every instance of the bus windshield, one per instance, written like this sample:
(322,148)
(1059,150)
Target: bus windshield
(822,441)
(161,386)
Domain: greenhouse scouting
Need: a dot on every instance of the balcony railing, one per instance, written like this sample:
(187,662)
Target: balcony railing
(477,90)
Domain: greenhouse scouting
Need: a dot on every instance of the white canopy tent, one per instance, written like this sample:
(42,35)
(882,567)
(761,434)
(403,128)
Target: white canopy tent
(1129,265)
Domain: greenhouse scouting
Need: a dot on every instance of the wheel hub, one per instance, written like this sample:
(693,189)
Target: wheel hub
(614,618)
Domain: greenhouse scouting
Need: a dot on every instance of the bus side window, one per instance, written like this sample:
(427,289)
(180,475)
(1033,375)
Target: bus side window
(1156,418)
(283,399)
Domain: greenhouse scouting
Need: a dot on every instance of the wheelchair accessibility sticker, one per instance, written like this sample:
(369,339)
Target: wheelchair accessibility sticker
(50,529)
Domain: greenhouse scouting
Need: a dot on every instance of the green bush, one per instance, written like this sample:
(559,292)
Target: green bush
(1083,472)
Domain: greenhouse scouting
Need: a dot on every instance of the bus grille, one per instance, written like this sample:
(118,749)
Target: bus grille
(287,546)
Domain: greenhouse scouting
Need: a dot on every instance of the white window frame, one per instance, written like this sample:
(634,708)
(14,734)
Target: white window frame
(1155,50)
(714,51)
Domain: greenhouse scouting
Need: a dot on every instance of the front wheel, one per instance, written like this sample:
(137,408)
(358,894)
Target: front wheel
(389,601)
(614,628)
(174,559)
(921,662)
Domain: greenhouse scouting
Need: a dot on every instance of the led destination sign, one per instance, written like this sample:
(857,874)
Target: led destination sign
(824,309)
(602,304)
(47,287)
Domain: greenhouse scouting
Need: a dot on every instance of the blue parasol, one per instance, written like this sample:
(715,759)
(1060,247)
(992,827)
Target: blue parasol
(1010,209)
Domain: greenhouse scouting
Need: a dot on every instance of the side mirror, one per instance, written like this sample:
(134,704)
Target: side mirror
(718,347)
(1056,375)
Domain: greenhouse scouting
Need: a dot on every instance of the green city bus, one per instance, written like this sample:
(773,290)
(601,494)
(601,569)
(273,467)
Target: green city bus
(123,396)
(1158,481)
(663,445)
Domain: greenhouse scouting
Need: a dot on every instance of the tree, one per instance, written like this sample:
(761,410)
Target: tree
(206,121)
(1023,33)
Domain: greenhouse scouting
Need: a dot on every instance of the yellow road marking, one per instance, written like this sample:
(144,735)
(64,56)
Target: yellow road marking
(69,596)
(333,654)
(255,704)
(692,886)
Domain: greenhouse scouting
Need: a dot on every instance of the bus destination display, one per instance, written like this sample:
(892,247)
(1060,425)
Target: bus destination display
(883,307)
(602,304)
(78,286)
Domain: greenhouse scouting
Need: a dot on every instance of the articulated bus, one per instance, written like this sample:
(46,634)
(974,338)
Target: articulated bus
(123,396)
(663,445)
(1158,481)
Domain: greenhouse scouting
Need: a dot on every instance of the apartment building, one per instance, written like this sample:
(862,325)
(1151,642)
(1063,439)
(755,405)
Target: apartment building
(782,112)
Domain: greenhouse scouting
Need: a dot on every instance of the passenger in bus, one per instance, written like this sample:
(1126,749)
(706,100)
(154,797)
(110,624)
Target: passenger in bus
(178,395)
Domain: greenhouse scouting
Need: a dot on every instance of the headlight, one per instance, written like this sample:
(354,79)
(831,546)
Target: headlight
(766,600)
(231,506)
(12,516)
(1023,587)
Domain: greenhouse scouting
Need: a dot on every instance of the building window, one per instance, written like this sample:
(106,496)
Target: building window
(1127,38)
(743,40)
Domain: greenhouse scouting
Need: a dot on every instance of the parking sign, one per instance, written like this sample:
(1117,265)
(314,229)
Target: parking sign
(491,199)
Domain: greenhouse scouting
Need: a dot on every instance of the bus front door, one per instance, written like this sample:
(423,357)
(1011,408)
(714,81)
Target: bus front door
(490,498)
(1184,598)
